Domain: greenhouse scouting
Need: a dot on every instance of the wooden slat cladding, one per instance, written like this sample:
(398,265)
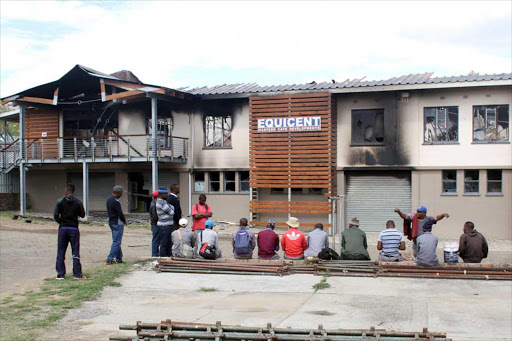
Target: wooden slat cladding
(39,121)
(298,159)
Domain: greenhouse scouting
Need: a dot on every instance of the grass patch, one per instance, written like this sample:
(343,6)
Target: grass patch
(206,289)
(322,284)
(6,214)
(41,309)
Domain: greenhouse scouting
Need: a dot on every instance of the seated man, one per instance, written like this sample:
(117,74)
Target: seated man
(209,236)
(293,242)
(243,241)
(353,243)
(426,244)
(472,245)
(183,241)
(268,242)
(317,240)
(389,242)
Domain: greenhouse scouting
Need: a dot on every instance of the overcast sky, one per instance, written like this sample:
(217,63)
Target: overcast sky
(178,44)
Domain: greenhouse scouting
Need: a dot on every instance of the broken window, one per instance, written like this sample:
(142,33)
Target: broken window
(441,124)
(368,126)
(229,181)
(471,181)
(199,182)
(214,181)
(217,131)
(494,181)
(244,182)
(491,123)
(449,181)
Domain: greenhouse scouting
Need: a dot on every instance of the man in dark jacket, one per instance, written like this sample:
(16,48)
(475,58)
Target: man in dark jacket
(116,221)
(354,243)
(472,245)
(153,217)
(67,211)
(174,201)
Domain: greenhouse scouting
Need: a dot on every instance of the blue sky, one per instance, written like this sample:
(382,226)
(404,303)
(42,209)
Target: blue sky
(195,43)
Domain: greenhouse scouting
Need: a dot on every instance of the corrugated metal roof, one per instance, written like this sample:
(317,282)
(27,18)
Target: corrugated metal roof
(419,78)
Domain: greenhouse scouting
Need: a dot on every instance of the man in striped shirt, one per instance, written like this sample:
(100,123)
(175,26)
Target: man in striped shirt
(390,241)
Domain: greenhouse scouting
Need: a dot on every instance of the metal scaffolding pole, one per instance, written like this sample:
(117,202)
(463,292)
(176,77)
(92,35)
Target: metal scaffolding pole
(154,161)
(85,171)
(23,181)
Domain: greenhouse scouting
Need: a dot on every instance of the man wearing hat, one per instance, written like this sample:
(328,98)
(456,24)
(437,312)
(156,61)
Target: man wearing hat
(294,242)
(183,241)
(353,242)
(268,242)
(414,223)
(426,246)
(153,217)
(116,221)
(165,214)
(209,236)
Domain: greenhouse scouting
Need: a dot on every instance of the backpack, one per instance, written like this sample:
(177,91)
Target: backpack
(205,206)
(242,240)
(328,254)
(186,251)
(207,251)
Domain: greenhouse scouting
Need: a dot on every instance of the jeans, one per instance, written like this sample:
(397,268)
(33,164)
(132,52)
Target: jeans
(155,242)
(68,236)
(165,240)
(117,237)
(397,258)
(173,228)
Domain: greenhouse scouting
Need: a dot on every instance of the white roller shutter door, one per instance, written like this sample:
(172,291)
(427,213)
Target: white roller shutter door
(373,199)
(166,178)
(100,188)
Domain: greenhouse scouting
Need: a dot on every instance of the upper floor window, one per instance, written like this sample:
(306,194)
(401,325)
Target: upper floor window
(491,123)
(368,127)
(471,181)
(217,130)
(441,124)
(494,181)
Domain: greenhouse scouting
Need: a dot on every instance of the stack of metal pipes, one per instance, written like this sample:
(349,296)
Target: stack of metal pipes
(224,266)
(171,330)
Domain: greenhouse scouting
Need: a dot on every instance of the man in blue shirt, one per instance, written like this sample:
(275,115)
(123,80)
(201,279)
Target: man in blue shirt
(116,221)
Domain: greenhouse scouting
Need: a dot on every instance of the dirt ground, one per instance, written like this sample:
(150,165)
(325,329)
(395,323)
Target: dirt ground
(28,250)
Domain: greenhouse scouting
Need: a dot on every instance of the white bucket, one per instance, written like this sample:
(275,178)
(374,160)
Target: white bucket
(451,253)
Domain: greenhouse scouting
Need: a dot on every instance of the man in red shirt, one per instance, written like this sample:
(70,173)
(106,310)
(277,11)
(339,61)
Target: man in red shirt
(201,212)
(293,242)
(268,242)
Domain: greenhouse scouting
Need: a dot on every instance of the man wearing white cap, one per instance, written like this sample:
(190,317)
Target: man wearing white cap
(183,241)
(294,242)
(353,242)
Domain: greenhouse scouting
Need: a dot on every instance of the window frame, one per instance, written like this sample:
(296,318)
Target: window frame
(473,181)
(203,181)
(240,181)
(226,181)
(223,131)
(375,111)
(447,108)
(210,182)
(443,181)
(487,106)
(500,193)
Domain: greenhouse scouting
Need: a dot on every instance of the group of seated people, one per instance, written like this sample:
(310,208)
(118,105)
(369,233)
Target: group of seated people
(296,245)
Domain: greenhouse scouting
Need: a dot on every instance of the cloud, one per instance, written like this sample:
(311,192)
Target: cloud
(206,43)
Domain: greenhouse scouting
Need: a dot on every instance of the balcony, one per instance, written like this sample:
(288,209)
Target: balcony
(115,148)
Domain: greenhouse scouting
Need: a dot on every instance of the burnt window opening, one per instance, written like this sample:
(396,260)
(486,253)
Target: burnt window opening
(229,181)
(368,127)
(471,181)
(217,131)
(494,181)
(199,182)
(244,182)
(441,124)
(164,128)
(214,181)
(449,181)
(88,123)
(316,191)
(491,123)
(276,190)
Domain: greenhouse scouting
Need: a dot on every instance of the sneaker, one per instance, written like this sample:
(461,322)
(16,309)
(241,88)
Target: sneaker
(82,277)
(59,278)
(119,261)
(110,262)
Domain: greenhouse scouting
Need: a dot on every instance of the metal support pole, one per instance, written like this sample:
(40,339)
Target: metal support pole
(340,220)
(289,201)
(154,161)
(85,182)
(23,183)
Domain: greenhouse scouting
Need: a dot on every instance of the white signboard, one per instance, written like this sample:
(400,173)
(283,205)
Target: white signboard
(286,124)
(44,134)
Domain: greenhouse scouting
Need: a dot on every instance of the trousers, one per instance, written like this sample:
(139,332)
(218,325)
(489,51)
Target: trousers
(68,236)
(117,237)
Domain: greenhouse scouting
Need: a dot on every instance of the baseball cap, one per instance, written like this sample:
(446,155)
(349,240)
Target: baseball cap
(421,209)
(208,224)
(163,190)
(183,222)
(155,194)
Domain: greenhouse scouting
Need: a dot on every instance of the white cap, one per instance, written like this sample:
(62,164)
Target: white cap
(183,222)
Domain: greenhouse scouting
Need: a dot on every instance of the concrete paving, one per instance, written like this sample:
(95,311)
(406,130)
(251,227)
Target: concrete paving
(466,310)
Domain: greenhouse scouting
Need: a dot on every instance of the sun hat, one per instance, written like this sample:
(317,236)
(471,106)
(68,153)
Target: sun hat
(293,222)
(183,222)
(208,224)
(354,222)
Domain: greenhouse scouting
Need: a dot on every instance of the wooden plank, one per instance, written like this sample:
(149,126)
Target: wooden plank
(289,186)
(289,101)
(291,211)
(102,90)
(264,223)
(273,97)
(35,100)
(125,94)
(292,202)
(307,111)
(56,96)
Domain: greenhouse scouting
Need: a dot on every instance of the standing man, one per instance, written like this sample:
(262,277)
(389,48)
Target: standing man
(243,241)
(472,244)
(116,221)
(67,211)
(268,242)
(165,223)
(353,242)
(173,200)
(153,216)
(317,240)
(201,212)
(389,242)
(427,246)
(293,242)
(414,223)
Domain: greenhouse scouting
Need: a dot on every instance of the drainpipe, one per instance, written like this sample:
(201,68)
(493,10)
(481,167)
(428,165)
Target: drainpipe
(191,172)
(85,183)
(154,161)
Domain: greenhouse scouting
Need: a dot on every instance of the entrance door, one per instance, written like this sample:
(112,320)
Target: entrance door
(373,196)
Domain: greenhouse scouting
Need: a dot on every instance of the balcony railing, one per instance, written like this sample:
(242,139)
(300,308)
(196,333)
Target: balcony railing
(106,148)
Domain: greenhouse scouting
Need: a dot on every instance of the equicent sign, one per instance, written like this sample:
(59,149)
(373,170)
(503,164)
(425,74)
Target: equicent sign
(286,124)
